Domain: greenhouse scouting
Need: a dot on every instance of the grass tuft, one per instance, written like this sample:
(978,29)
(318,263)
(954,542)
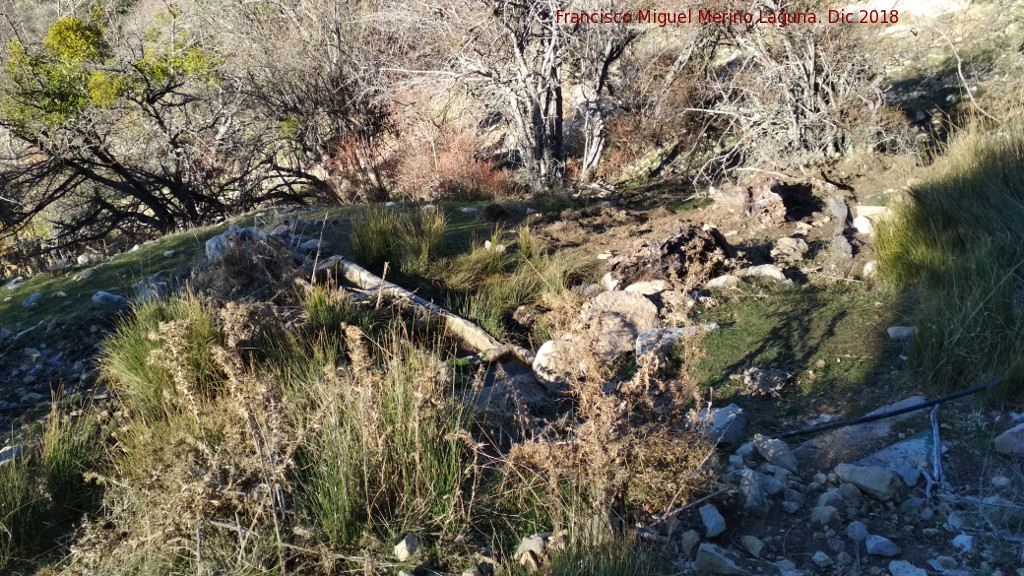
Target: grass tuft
(957,243)
(405,238)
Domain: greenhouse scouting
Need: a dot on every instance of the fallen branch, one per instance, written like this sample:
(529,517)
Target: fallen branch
(474,338)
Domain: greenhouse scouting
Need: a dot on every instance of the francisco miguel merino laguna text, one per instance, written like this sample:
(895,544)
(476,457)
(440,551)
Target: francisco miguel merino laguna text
(780,19)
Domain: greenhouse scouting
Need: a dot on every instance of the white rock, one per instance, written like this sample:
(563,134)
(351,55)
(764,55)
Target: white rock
(963,543)
(863,225)
(904,568)
(607,282)
(648,288)
(723,282)
(407,548)
(881,546)
(767,271)
(870,269)
(84,259)
(714,522)
(102,297)
(900,333)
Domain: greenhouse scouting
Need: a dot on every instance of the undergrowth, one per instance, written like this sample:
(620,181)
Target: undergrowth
(958,244)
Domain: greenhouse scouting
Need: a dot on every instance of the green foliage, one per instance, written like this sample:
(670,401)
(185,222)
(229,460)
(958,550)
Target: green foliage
(957,243)
(73,42)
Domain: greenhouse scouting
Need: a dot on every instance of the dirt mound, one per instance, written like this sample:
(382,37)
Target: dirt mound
(681,259)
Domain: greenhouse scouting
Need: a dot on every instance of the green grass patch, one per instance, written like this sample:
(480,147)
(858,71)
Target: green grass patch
(836,332)
(958,245)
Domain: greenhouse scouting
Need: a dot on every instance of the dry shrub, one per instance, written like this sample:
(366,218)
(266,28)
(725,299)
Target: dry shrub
(360,170)
(247,270)
(446,163)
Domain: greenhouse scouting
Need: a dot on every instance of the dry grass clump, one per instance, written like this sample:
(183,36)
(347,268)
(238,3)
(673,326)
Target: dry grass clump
(247,270)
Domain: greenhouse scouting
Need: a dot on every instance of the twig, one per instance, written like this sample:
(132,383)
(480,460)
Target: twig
(963,81)
(380,289)
(936,445)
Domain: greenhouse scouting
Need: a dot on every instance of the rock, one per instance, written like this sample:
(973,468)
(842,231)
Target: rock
(9,453)
(674,258)
(766,271)
(900,333)
(32,398)
(32,354)
(648,288)
(407,548)
(310,246)
(963,543)
(766,207)
(832,498)
(556,361)
(753,489)
(752,544)
(791,507)
(84,259)
(723,425)
(877,482)
(851,494)
(824,515)
(776,452)
(857,531)
(432,208)
(841,249)
(943,563)
(1002,512)
(1011,442)
(838,209)
(904,458)
(954,522)
(714,560)
(881,546)
(31,300)
(789,250)
(588,290)
(60,264)
(661,340)
(530,552)
(714,523)
(722,282)
(904,568)
(151,289)
(608,282)
(218,244)
(821,559)
(102,297)
(863,225)
(468,210)
(688,541)
(615,319)
(764,381)
(870,269)
(852,443)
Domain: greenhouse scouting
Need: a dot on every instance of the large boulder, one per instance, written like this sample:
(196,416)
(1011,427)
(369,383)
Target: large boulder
(615,319)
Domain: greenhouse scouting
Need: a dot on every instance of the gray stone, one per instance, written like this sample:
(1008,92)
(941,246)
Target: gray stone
(900,333)
(688,541)
(831,497)
(723,425)
(661,340)
(557,361)
(776,452)
(32,397)
(60,264)
(722,282)
(107,298)
(752,488)
(764,381)
(151,289)
(904,458)
(823,515)
(1011,442)
(32,354)
(791,507)
(31,300)
(876,481)
(714,523)
(648,288)
(616,319)
(841,247)
(281,230)
(218,244)
(850,493)
(407,548)
(838,209)
(904,568)
(881,546)
(84,259)
(870,269)
(311,246)
(752,544)
(766,271)
(821,559)
(789,250)
(714,560)
(9,453)
(530,552)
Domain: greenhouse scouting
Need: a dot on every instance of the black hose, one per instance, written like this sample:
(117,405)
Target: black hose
(883,415)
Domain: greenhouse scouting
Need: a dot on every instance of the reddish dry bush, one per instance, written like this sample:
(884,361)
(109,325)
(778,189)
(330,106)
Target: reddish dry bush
(445,163)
